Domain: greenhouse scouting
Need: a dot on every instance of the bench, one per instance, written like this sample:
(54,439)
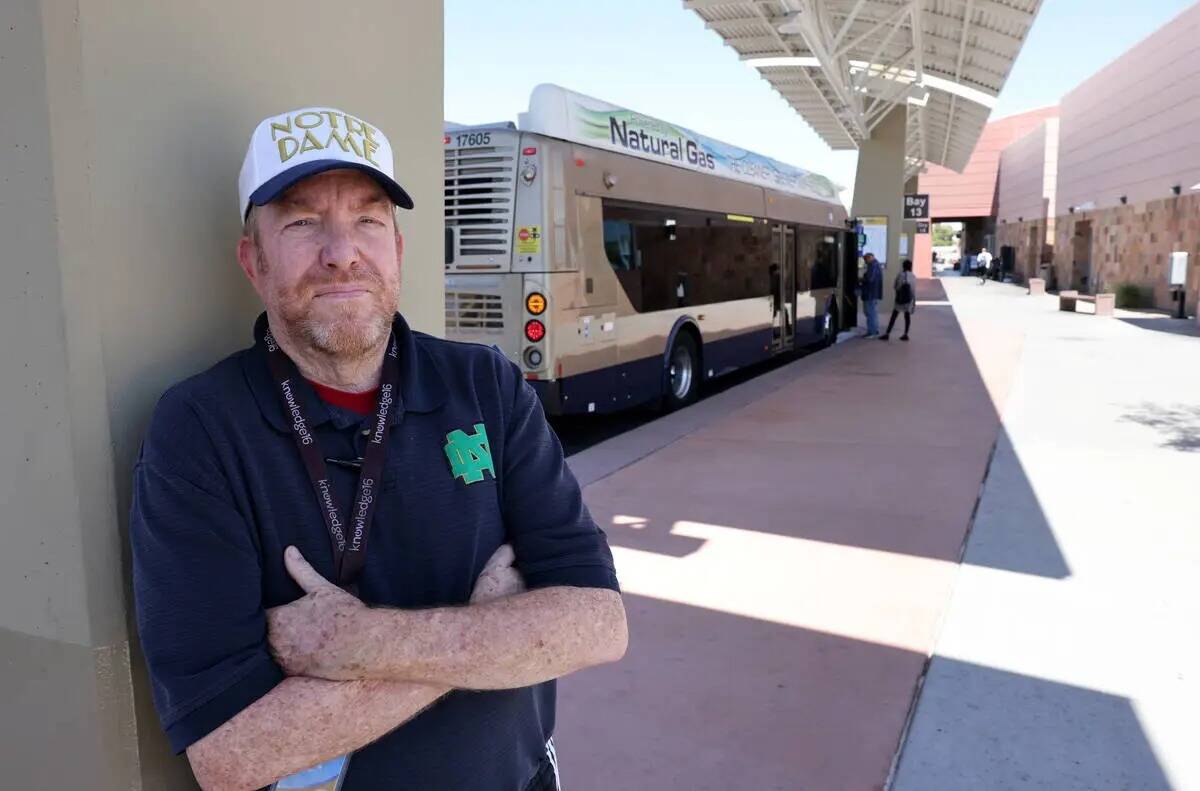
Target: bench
(1105,303)
(1037,286)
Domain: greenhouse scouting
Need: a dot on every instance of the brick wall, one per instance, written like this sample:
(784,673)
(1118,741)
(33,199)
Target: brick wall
(1130,244)
(1029,240)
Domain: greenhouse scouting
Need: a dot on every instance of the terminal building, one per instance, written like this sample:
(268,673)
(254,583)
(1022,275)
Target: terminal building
(1097,193)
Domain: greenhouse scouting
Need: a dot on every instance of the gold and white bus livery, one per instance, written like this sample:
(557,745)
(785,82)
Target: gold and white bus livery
(618,259)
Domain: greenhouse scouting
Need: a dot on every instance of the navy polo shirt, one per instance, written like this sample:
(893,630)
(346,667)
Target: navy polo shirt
(220,491)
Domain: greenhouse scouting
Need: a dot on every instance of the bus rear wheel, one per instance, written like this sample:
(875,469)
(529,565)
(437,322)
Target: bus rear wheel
(683,373)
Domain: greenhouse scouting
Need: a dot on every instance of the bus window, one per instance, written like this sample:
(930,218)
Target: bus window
(670,258)
(618,245)
(825,271)
(740,257)
(806,257)
(818,256)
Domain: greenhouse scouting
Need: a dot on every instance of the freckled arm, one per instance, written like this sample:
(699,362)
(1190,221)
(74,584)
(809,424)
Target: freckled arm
(301,723)
(512,642)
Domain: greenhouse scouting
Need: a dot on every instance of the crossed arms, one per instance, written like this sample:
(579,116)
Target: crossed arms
(355,673)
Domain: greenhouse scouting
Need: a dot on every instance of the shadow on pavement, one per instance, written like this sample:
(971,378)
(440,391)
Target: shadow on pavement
(1000,730)
(1179,424)
(1019,537)
(740,703)
(707,701)
(1186,327)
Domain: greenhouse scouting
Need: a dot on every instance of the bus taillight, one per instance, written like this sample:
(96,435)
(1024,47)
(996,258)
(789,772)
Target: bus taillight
(535,303)
(535,330)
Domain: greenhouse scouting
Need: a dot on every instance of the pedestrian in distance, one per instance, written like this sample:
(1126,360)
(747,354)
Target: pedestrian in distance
(412,639)
(905,286)
(985,265)
(871,288)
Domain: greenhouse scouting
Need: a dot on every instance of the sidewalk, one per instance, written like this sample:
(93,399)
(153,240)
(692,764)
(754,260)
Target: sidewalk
(789,550)
(1077,667)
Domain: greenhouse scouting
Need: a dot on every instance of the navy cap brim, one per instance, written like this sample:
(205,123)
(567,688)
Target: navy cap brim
(273,188)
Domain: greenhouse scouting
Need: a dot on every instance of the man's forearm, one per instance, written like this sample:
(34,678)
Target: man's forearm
(301,723)
(513,642)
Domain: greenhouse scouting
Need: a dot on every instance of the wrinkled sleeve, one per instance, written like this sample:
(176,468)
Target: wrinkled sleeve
(196,583)
(555,539)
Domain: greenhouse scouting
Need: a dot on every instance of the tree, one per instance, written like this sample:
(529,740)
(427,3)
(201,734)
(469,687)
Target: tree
(943,235)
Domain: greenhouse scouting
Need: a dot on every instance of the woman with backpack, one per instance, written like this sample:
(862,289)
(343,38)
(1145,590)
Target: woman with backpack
(905,286)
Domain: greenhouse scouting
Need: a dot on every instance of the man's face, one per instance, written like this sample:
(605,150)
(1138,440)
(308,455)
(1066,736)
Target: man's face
(325,261)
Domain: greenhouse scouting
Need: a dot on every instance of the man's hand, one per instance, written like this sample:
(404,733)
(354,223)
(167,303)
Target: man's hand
(321,635)
(316,635)
(499,577)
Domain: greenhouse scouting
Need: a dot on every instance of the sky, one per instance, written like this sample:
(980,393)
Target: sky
(654,57)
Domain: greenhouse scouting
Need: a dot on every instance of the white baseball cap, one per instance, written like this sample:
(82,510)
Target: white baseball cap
(292,146)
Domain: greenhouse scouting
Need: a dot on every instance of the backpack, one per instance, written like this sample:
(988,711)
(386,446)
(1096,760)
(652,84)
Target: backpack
(904,294)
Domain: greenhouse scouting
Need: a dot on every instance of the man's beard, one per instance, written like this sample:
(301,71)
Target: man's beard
(350,331)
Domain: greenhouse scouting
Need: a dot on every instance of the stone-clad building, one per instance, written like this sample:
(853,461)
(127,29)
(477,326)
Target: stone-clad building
(1096,193)
(1025,214)
(1102,195)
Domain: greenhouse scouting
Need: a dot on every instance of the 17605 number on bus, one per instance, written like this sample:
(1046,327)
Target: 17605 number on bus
(473,139)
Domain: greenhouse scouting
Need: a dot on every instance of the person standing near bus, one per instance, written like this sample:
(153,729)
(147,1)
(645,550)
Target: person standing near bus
(905,286)
(280,641)
(872,291)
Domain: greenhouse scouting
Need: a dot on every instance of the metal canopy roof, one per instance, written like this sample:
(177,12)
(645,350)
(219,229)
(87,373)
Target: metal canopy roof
(843,64)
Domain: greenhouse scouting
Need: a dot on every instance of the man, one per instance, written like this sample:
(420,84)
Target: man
(872,292)
(312,515)
(985,265)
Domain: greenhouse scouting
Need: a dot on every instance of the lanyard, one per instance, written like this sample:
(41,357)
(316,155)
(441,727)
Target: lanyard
(349,550)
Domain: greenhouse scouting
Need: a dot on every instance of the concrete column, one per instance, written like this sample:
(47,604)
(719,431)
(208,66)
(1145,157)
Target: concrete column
(123,129)
(879,189)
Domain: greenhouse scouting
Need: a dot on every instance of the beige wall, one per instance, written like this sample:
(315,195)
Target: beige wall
(972,193)
(122,132)
(1131,129)
(1022,192)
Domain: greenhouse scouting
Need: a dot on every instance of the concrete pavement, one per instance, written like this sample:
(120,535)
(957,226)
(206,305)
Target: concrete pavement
(1074,665)
(787,552)
(790,547)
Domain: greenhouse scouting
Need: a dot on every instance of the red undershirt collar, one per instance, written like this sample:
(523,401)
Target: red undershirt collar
(359,403)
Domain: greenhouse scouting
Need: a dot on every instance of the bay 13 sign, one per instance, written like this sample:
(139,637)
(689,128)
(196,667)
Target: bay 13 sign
(916,207)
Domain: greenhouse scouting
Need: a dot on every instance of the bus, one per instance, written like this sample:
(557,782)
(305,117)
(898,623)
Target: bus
(621,260)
